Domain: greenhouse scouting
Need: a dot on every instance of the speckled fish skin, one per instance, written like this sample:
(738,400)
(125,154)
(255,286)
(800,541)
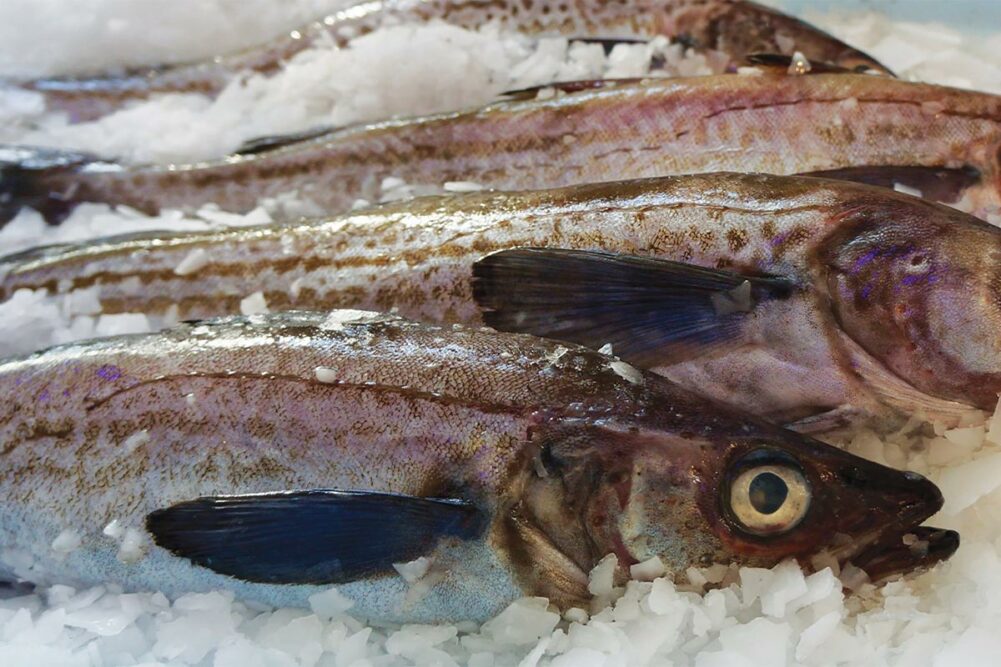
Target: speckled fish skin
(568,455)
(826,348)
(733,28)
(770,123)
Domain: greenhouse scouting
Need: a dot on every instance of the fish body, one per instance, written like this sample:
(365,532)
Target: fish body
(803,344)
(858,127)
(279,455)
(733,28)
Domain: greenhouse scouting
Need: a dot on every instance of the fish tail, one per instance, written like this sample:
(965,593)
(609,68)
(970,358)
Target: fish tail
(35,177)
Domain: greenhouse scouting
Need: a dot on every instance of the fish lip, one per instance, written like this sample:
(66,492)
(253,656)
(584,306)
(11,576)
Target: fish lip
(899,552)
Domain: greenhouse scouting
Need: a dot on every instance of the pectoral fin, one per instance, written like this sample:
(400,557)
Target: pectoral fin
(310,537)
(783,62)
(941,184)
(652,311)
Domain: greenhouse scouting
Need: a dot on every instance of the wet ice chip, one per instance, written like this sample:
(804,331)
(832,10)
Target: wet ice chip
(132,547)
(799,64)
(557,353)
(326,375)
(601,579)
(648,570)
(136,440)
(115,530)
(626,372)
(461,186)
(120,325)
(523,622)
(254,304)
(414,570)
(295,289)
(330,603)
(66,542)
(193,262)
(737,300)
(337,319)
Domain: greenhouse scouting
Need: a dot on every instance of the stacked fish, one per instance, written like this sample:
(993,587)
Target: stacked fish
(575,365)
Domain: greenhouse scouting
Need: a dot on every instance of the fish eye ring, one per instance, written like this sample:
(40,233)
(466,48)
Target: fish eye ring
(769,499)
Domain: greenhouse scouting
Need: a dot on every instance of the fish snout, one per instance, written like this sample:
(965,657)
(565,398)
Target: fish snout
(905,498)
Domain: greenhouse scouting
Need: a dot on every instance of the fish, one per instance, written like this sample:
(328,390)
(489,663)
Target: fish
(281,456)
(811,302)
(854,127)
(730,30)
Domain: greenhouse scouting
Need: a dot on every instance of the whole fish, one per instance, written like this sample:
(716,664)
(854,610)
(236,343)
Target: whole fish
(941,140)
(799,299)
(733,28)
(277,456)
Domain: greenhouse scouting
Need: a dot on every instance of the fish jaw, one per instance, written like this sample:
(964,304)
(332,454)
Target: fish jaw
(915,549)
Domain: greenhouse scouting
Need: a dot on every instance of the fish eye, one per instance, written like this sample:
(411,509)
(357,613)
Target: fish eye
(769,499)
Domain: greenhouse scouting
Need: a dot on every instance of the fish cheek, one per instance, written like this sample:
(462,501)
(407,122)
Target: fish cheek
(662,518)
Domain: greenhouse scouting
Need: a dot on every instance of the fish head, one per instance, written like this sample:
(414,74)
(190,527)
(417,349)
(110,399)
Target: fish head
(918,287)
(725,488)
(748,27)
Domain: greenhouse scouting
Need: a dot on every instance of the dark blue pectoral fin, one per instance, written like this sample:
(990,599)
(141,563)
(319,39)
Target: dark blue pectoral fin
(310,537)
(652,311)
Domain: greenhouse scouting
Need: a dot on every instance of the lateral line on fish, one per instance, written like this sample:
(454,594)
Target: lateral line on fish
(859,100)
(403,392)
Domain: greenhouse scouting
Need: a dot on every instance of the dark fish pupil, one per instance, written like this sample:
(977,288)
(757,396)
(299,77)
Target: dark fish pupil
(767,492)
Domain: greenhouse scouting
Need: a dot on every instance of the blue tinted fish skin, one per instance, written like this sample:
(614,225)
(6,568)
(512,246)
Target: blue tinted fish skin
(564,455)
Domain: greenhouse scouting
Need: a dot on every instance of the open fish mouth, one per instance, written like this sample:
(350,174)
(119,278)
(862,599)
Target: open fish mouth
(917,548)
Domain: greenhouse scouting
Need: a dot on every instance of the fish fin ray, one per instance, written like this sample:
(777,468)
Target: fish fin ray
(783,62)
(652,311)
(309,537)
(943,184)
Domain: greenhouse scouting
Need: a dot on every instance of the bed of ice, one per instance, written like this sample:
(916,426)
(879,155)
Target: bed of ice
(719,617)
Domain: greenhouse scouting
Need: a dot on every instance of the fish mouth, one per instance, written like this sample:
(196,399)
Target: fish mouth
(906,551)
(889,539)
